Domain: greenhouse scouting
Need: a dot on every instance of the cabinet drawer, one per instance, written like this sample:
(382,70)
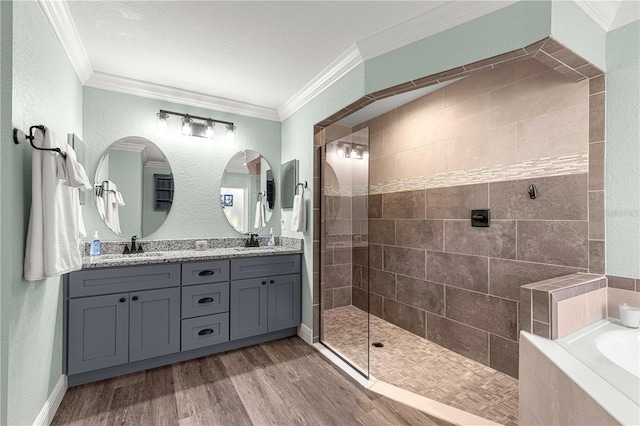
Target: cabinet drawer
(211,271)
(265,266)
(205,331)
(117,280)
(205,299)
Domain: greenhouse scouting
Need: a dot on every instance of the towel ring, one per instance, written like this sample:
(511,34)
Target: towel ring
(303,185)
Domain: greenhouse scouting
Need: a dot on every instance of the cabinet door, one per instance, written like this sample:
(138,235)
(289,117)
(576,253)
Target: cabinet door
(248,308)
(98,332)
(284,302)
(155,323)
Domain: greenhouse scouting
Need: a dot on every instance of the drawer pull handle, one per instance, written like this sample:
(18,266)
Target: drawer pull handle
(122,300)
(272,281)
(264,282)
(206,300)
(205,332)
(205,273)
(135,298)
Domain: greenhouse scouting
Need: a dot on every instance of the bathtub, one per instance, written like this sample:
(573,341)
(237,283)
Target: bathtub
(603,360)
(612,351)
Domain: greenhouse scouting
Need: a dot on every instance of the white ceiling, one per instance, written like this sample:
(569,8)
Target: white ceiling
(257,58)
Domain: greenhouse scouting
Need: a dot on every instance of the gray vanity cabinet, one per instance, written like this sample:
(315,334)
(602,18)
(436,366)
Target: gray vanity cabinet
(98,332)
(248,308)
(154,323)
(116,316)
(264,303)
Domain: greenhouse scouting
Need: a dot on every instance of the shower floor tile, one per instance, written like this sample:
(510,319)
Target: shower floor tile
(420,366)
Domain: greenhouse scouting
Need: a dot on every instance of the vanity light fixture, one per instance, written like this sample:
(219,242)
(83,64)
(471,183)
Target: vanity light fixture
(353,150)
(192,125)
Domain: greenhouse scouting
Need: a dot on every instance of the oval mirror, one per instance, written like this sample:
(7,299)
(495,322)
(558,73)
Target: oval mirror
(248,192)
(133,187)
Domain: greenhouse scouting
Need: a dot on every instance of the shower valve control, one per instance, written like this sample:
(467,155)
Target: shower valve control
(480,218)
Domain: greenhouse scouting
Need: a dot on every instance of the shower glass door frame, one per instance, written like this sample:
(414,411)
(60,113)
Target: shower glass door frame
(344,230)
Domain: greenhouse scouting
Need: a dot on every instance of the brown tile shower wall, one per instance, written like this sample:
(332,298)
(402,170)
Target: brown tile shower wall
(464,268)
(430,271)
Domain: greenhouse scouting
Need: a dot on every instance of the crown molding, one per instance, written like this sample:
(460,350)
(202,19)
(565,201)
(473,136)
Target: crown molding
(340,66)
(145,89)
(601,12)
(60,21)
(443,16)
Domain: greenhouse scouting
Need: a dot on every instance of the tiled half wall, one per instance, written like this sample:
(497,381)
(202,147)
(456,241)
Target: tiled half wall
(479,143)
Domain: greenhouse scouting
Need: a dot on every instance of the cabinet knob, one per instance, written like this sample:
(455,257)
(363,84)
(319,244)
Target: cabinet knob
(206,300)
(264,282)
(271,281)
(205,331)
(134,298)
(122,300)
(205,273)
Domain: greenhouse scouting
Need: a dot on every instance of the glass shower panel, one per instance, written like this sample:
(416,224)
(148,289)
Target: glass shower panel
(344,252)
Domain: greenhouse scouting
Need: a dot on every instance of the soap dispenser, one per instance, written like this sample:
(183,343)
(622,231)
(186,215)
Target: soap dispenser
(271,241)
(95,245)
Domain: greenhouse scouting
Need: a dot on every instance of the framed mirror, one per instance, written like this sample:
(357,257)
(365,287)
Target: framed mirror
(134,187)
(248,192)
(289,173)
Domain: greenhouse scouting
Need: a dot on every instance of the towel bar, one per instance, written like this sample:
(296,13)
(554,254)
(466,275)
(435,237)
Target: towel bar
(19,134)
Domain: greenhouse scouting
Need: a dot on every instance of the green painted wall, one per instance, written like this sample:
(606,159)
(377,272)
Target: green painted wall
(576,30)
(622,178)
(197,163)
(45,90)
(6,52)
(502,31)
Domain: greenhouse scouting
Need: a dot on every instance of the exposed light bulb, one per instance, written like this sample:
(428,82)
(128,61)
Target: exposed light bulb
(347,152)
(231,132)
(340,151)
(186,125)
(209,129)
(365,154)
(161,124)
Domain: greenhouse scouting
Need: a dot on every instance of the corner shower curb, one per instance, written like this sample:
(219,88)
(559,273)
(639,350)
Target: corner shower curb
(410,399)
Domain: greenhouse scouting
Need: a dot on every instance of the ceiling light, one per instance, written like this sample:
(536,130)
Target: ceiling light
(186,125)
(347,151)
(340,151)
(192,125)
(365,154)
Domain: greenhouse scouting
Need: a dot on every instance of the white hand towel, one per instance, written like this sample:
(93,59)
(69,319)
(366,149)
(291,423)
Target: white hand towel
(108,204)
(52,247)
(76,176)
(261,216)
(298,218)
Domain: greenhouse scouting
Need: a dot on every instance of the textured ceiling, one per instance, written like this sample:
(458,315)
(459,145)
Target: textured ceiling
(259,53)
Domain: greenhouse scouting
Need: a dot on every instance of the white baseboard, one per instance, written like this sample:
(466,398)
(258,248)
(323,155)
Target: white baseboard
(305,333)
(52,403)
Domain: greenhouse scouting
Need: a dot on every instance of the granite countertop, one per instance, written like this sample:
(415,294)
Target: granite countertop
(173,251)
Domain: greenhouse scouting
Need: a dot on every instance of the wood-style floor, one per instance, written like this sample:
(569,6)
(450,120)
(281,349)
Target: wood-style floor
(285,382)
